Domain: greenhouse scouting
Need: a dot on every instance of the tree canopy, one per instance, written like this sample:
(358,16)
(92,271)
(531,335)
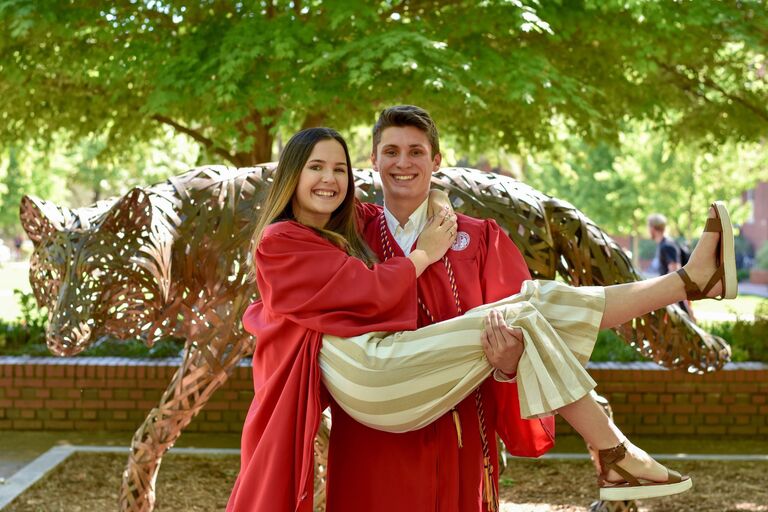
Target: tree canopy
(494,73)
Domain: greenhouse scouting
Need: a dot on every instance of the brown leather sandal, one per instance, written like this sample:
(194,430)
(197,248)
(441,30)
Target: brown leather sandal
(725,259)
(633,488)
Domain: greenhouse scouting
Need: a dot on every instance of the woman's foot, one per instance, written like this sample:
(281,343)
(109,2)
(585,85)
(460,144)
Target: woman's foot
(712,266)
(629,473)
(639,463)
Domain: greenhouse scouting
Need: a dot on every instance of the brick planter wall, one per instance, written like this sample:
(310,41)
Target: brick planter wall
(115,394)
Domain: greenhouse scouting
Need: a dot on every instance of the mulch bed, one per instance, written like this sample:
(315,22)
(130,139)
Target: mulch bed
(89,482)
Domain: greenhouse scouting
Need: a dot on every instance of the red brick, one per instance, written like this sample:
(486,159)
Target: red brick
(27,414)
(649,429)
(75,394)
(105,394)
(121,425)
(59,425)
(682,420)
(60,383)
(711,409)
(43,393)
(6,424)
(120,415)
(742,409)
(13,393)
(680,429)
(710,429)
(742,420)
(680,409)
(57,414)
(28,404)
(27,424)
(69,371)
(91,404)
(89,383)
(743,430)
(649,409)
(136,394)
(759,399)
(89,425)
(54,370)
(59,404)
(697,399)
(31,382)
(746,387)
(89,415)
(5,403)
(120,404)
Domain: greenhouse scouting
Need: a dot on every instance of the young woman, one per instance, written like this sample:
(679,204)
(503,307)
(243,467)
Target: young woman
(316,275)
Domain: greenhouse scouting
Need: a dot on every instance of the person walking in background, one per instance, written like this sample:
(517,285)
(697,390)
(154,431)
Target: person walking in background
(670,256)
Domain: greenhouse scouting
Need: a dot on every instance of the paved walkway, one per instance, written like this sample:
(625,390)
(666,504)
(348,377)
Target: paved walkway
(761,290)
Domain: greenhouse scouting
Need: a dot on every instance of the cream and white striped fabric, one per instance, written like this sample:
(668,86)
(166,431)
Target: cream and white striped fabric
(406,380)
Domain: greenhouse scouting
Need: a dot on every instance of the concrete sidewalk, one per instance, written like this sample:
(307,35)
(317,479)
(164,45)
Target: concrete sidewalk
(761,290)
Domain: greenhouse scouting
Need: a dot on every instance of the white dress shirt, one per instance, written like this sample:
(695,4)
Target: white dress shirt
(406,236)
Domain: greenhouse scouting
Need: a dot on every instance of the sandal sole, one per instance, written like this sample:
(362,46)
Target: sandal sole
(644,491)
(727,252)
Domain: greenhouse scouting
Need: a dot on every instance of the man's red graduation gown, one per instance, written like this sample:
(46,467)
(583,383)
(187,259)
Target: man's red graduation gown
(425,470)
(308,287)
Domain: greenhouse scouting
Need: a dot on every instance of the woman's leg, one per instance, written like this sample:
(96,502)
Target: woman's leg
(623,302)
(588,419)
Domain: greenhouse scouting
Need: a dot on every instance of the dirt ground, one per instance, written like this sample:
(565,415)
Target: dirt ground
(90,483)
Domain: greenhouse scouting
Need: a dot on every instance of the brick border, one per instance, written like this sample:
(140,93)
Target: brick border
(114,394)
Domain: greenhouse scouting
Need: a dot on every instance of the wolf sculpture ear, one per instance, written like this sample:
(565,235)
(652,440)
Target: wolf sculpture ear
(41,219)
(133,211)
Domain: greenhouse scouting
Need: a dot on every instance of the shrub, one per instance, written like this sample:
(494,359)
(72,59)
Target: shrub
(26,336)
(612,347)
(748,340)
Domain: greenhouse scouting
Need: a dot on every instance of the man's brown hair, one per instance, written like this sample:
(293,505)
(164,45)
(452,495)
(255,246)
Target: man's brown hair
(407,115)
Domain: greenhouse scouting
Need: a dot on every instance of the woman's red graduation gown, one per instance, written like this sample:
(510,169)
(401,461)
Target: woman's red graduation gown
(308,286)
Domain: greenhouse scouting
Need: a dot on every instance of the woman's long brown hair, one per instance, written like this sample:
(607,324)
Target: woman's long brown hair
(341,229)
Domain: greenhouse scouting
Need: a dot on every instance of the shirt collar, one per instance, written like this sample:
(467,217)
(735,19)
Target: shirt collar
(416,221)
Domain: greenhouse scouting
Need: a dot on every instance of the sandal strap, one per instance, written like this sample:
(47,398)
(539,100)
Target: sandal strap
(673,476)
(692,290)
(713,225)
(608,461)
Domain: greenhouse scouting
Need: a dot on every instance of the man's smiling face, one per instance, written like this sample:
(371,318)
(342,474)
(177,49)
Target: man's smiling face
(404,160)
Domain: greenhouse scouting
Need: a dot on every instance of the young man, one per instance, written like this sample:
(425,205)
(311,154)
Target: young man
(450,465)
(668,256)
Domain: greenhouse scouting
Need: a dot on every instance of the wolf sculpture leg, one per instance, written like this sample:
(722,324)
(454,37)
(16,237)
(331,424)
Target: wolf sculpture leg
(202,372)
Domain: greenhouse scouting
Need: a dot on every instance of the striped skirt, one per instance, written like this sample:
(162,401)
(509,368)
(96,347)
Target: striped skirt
(403,381)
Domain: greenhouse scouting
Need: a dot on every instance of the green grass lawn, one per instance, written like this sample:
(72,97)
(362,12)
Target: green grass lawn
(14,275)
(740,306)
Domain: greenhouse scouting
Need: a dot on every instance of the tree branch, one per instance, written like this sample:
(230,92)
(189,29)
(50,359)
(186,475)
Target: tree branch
(198,137)
(690,83)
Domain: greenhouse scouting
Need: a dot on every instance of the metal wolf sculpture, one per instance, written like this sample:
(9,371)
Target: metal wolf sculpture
(170,260)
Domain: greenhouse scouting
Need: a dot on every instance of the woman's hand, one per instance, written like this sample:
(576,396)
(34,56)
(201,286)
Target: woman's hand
(435,240)
(438,235)
(437,201)
(503,345)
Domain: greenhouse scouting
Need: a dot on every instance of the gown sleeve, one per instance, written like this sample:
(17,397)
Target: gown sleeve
(504,269)
(366,212)
(317,285)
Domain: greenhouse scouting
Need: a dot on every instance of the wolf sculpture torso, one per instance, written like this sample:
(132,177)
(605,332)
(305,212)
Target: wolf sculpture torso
(171,260)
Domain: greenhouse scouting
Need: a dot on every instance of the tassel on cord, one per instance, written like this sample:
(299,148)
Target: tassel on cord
(457,422)
(489,490)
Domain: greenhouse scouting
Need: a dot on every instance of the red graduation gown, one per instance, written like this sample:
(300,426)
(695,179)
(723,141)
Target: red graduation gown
(425,470)
(308,287)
